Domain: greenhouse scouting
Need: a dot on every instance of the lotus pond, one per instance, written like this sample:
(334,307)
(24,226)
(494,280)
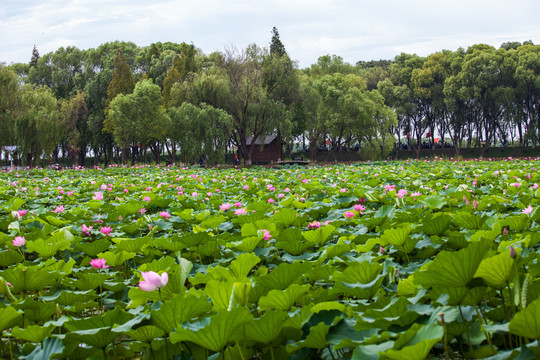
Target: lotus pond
(397,260)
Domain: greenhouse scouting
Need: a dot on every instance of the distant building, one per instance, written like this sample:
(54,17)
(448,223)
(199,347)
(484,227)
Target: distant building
(270,152)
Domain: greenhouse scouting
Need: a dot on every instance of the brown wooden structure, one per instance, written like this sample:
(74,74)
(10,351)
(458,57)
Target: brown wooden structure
(270,151)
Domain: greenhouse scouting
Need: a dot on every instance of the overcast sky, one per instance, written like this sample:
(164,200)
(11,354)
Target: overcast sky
(354,30)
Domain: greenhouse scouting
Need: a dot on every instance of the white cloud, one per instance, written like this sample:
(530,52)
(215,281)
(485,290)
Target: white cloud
(355,30)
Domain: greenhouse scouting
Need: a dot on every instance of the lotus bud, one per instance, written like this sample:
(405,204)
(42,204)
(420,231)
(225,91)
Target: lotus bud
(513,252)
(505,231)
(381,250)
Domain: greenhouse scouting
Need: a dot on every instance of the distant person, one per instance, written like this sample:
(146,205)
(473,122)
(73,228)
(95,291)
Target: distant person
(235,159)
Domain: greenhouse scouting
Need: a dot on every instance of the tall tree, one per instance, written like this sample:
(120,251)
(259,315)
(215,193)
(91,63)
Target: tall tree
(139,118)
(276,46)
(35,57)
(122,82)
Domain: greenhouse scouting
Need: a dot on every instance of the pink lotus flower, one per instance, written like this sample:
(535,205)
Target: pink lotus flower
(98,195)
(224,207)
(59,209)
(240,211)
(153,281)
(360,208)
(165,214)
(416,194)
(280,196)
(86,230)
(314,225)
(103,187)
(22,213)
(194,194)
(348,214)
(475,204)
(266,235)
(238,204)
(401,193)
(245,187)
(106,230)
(527,210)
(271,201)
(147,198)
(18,241)
(389,187)
(99,263)
(142,211)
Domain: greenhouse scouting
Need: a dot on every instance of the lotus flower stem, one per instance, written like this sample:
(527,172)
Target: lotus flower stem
(466,329)
(488,338)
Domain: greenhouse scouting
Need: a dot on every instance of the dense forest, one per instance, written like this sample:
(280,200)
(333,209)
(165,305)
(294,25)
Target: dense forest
(124,101)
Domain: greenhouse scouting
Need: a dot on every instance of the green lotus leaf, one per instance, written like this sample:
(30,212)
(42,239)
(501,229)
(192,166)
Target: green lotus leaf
(526,323)
(289,234)
(435,201)
(36,311)
(179,309)
(47,248)
(469,220)
(267,328)
(316,339)
(96,330)
(320,235)
(213,222)
(93,248)
(32,333)
(146,333)
(14,204)
(116,258)
(516,223)
(498,270)
(129,208)
(396,236)
(90,281)
(364,280)
(216,331)
(294,248)
(220,293)
(242,265)
(194,239)
(284,275)
(9,316)
(436,225)
(69,297)
(31,278)
(136,245)
(487,234)
(50,348)
(283,299)
(9,257)
(416,343)
(453,269)
(55,221)
(285,217)
(247,244)
(209,248)
(172,244)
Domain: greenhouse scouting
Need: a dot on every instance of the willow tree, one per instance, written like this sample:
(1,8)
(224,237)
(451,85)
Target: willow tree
(202,132)
(9,104)
(37,129)
(238,85)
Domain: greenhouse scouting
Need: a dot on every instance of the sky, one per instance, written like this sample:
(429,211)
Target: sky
(358,30)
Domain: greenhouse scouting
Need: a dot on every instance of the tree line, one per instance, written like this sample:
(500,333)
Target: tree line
(121,101)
